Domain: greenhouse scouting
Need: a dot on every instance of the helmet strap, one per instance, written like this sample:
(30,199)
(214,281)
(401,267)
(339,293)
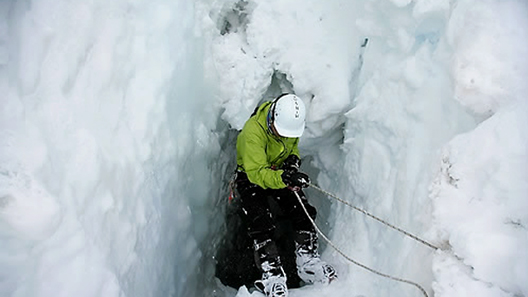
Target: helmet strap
(269,121)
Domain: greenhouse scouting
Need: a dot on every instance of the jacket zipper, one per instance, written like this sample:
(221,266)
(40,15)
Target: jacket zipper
(282,151)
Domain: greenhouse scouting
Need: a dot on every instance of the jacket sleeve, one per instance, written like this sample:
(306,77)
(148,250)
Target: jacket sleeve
(252,148)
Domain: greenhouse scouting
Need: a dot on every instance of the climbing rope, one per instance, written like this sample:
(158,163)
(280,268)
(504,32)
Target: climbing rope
(349,258)
(376,218)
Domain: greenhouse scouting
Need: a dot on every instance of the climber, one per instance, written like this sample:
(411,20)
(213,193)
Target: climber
(268,164)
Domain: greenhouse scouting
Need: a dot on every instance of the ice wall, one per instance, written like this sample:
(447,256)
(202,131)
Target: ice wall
(479,192)
(106,141)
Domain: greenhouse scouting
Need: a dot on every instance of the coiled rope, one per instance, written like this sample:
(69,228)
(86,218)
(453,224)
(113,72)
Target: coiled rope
(349,258)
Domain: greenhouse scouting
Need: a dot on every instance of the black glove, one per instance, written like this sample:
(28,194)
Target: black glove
(292,163)
(295,179)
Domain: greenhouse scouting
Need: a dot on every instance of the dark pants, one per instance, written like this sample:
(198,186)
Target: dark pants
(261,205)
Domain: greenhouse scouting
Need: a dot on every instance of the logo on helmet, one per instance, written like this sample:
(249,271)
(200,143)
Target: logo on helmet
(296,108)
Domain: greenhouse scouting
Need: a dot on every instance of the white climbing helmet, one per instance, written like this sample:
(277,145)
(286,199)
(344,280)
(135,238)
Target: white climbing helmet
(288,115)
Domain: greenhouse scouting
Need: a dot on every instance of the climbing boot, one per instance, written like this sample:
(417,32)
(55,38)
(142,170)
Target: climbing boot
(273,282)
(310,268)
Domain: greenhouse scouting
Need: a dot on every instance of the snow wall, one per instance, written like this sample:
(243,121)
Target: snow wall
(118,123)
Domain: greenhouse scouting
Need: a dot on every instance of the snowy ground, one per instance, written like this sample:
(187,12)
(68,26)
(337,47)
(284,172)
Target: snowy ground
(117,126)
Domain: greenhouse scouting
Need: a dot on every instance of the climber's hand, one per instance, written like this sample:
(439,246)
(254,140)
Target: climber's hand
(292,163)
(295,179)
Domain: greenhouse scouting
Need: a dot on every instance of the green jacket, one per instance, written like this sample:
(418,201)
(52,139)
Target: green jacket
(259,150)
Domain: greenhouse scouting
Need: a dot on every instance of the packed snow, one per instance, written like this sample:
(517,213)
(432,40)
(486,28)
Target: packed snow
(118,122)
